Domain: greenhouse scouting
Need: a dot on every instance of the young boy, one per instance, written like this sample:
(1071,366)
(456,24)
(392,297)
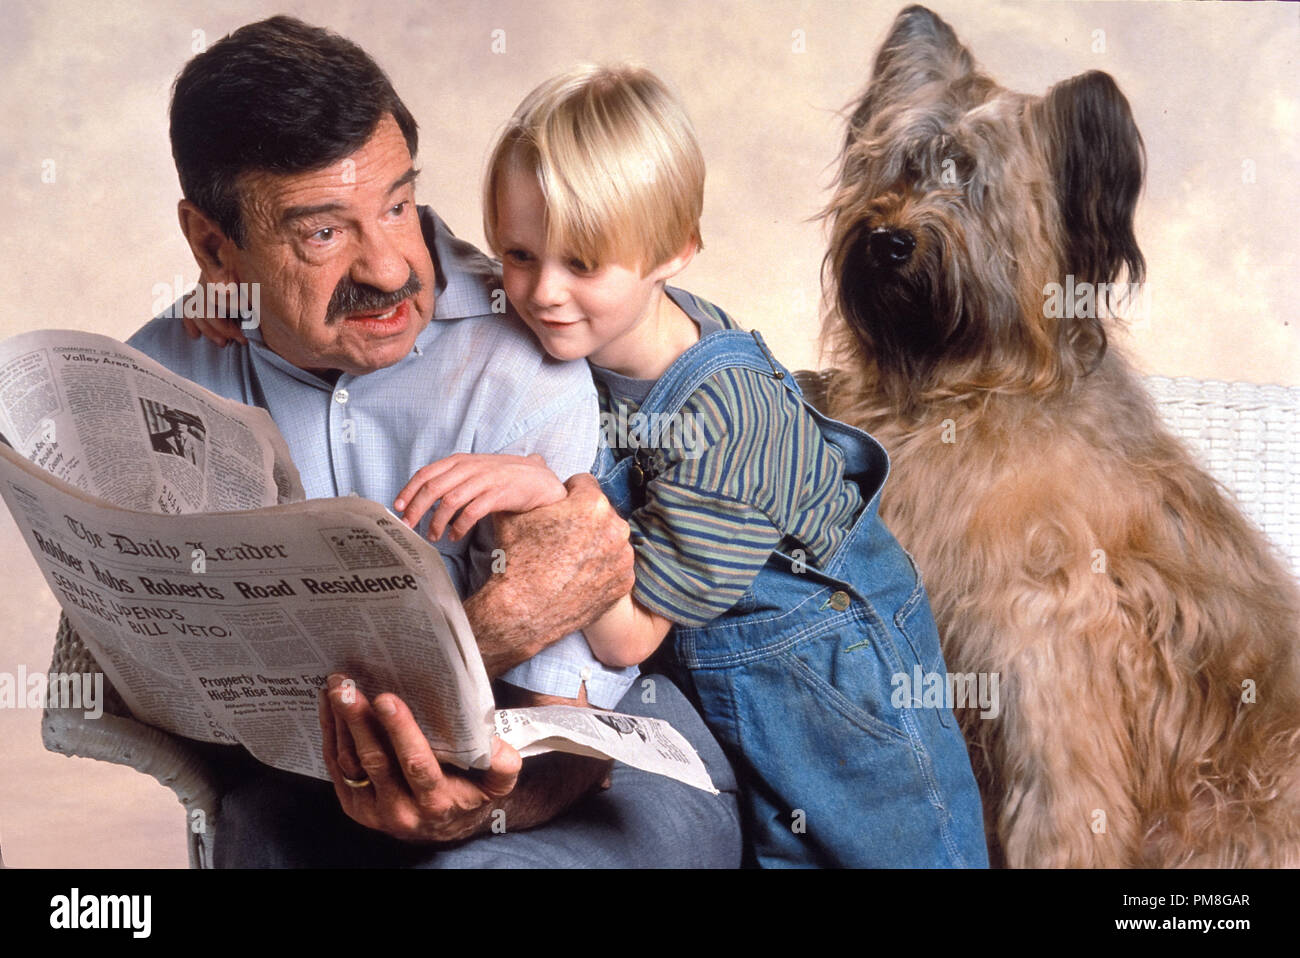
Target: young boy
(791,608)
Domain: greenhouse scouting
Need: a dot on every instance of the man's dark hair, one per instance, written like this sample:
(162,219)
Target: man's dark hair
(279,96)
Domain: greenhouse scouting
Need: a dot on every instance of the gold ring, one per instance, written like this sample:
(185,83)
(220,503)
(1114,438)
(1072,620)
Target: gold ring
(356,782)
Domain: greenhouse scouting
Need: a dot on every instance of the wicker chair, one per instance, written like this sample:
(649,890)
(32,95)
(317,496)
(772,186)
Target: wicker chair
(182,765)
(1247,435)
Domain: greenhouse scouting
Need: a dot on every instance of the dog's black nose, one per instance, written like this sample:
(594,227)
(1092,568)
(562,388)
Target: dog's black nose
(891,247)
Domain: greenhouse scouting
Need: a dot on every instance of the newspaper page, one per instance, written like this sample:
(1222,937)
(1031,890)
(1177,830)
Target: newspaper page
(171,526)
(223,627)
(118,425)
(645,743)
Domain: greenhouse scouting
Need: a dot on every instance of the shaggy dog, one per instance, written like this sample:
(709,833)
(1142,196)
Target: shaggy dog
(1144,632)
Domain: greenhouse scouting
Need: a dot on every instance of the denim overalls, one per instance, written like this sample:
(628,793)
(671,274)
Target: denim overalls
(796,679)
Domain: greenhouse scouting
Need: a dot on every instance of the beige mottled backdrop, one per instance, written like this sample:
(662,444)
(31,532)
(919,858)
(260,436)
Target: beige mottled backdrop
(83,87)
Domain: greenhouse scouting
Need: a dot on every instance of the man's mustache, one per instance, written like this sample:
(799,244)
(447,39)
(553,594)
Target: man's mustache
(350,297)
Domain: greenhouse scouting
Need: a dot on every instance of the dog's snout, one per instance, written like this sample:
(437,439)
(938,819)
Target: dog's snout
(891,247)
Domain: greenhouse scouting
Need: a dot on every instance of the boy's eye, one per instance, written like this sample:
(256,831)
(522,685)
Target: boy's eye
(517,255)
(581,266)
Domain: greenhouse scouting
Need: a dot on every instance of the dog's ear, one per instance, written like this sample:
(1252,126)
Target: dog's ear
(1097,160)
(921,49)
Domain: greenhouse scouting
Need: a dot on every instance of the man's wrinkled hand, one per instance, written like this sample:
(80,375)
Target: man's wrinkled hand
(569,562)
(410,795)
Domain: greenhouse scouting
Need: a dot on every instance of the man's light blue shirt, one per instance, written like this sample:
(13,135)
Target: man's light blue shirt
(476,381)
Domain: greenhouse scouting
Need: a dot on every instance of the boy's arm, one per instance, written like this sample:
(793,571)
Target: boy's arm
(730,492)
(627,634)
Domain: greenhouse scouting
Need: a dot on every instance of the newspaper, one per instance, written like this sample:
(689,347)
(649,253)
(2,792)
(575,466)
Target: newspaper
(171,526)
(626,738)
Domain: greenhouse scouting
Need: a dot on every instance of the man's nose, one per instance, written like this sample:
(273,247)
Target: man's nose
(550,289)
(380,261)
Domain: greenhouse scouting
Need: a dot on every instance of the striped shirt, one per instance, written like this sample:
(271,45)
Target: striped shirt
(748,472)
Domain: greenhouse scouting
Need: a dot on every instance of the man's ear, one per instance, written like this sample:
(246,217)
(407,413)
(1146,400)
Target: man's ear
(212,249)
(670,268)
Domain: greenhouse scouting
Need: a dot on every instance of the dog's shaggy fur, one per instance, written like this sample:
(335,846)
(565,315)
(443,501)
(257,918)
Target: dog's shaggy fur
(1145,633)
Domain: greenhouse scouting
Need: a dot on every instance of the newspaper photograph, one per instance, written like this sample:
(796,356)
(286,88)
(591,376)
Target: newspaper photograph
(118,425)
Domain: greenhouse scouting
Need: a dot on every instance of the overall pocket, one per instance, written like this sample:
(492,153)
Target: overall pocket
(819,738)
(852,666)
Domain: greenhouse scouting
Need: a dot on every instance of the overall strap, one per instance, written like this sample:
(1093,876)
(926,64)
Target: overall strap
(865,460)
(728,349)
(624,481)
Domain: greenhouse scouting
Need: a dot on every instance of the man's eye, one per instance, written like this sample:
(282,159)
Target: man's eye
(400,208)
(324,235)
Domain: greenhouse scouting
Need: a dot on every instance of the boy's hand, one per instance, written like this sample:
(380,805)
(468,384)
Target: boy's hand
(475,486)
(212,328)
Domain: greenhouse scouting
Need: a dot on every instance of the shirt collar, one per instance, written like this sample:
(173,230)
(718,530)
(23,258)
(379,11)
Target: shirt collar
(468,281)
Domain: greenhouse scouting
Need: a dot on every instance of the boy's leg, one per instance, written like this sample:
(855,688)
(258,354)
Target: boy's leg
(846,779)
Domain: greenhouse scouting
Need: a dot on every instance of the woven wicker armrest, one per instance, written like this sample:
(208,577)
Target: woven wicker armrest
(1248,436)
(119,738)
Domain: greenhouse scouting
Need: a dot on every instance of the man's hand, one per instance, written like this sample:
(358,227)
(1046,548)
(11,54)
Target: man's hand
(410,796)
(565,565)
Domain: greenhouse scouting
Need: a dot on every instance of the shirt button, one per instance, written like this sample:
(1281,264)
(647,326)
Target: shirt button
(840,601)
(341,396)
(585,674)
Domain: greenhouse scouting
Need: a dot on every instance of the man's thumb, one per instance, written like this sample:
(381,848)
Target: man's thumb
(499,780)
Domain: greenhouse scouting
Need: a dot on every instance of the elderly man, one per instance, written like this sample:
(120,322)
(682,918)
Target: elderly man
(384,344)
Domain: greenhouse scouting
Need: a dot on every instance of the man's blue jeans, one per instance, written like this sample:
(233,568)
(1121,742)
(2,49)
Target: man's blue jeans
(273,819)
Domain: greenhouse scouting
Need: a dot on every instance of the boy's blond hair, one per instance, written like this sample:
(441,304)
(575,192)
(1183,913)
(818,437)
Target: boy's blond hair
(617,161)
